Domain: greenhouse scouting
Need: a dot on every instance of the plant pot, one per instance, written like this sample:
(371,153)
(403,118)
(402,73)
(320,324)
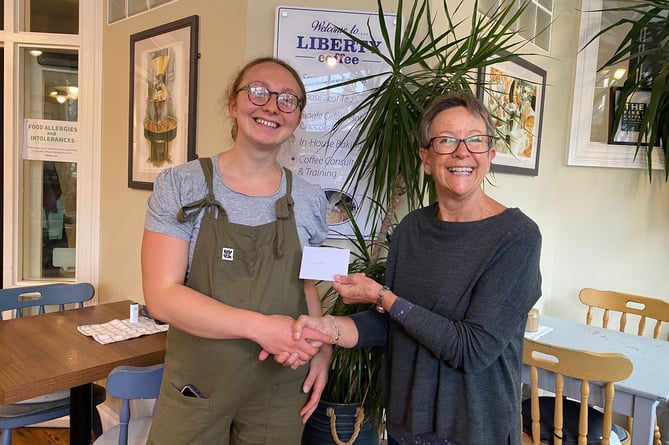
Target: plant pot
(337,423)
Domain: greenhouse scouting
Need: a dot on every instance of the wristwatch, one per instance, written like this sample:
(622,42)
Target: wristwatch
(379,300)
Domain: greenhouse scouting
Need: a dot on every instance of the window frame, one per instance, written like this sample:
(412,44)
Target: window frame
(583,151)
(88,43)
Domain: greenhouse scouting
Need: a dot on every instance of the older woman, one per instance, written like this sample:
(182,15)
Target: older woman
(461,277)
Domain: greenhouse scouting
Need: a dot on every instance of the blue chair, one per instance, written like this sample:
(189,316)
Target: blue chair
(131,383)
(55,405)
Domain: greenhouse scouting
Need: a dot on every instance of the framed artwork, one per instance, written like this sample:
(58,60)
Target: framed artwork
(627,132)
(590,128)
(513,92)
(163,99)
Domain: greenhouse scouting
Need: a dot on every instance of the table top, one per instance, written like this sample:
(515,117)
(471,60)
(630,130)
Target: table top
(45,353)
(650,357)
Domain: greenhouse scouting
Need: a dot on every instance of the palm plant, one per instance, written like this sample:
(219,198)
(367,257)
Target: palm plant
(637,17)
(422,64)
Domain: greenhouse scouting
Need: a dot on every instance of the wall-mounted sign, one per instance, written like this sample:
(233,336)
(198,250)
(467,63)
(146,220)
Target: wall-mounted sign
(311,40)
(49,140)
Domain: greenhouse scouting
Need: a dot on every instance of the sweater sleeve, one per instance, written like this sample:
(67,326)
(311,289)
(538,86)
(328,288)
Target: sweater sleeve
(372,328)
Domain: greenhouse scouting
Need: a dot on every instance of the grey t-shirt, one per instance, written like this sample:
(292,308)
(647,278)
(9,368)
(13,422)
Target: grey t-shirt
(180,185)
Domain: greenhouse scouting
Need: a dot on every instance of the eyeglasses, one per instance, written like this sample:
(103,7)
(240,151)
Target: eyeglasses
(259,95)
(445,145)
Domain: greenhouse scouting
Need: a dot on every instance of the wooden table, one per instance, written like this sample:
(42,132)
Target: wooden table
(639,394)
(45,353)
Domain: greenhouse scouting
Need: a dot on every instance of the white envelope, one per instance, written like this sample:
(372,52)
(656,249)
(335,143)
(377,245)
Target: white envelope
(322,263)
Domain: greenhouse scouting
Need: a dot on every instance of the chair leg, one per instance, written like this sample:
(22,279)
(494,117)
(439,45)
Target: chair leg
(6,437)
(657,439)
(96,423)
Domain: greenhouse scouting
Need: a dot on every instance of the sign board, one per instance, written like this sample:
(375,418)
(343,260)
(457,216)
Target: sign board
(311,40)
(49,140)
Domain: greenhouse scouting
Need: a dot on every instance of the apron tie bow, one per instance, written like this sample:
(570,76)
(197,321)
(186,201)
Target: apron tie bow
(190,211)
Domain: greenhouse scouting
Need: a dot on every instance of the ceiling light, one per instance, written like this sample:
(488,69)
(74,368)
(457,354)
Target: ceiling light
(73,92)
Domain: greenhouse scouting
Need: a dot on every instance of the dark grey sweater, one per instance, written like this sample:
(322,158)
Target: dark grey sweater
(453,367)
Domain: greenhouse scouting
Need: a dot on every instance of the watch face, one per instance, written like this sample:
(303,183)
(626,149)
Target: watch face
(379,300)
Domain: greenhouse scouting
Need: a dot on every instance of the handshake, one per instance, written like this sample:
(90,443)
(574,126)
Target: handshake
(300,340)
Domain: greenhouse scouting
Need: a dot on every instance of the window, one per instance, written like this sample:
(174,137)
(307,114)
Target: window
(53,16)
(49,166)
(121,9)
(534,24)
(50,140)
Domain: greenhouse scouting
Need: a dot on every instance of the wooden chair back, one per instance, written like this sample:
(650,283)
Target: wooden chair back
(645,307)
(582,365)
(44,295)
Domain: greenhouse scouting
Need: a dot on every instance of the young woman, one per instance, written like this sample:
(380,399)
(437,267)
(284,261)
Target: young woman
(221,255)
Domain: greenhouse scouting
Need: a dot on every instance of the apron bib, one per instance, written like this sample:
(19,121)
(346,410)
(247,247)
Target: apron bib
(254,268)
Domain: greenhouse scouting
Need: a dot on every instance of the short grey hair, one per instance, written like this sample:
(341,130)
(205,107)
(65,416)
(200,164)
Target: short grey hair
(452,100)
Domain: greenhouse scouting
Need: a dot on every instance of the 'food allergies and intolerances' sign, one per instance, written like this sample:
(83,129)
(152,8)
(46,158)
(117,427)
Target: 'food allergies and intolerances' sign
(49,140)
(312,41)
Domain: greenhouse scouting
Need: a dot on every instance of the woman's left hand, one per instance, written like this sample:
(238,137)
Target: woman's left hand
(316,380)
(356,288)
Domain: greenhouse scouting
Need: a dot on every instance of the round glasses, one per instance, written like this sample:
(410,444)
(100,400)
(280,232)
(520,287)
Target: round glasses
(260,95)
(476,144)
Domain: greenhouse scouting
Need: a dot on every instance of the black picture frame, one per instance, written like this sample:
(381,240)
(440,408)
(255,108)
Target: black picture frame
(627,131)
(163,99)
(513,91)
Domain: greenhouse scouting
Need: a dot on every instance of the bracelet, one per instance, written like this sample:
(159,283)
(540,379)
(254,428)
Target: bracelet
(336,329)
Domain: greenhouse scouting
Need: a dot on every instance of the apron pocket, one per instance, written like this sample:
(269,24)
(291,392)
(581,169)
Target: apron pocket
(180,419)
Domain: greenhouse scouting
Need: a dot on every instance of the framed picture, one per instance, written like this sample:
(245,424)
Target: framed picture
(627,132)
(589,126)
(163,99)
(513,91)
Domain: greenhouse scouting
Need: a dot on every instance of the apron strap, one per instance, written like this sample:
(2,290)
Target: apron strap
(209,202)
(284,210)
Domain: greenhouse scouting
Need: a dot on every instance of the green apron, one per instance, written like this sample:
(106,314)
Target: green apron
(246,401)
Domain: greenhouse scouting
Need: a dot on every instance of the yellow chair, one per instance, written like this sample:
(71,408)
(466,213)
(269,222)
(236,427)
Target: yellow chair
(625,304)
(645,308)
(591,425)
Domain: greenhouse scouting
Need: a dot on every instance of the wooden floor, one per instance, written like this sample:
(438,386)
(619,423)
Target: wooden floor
(41,436)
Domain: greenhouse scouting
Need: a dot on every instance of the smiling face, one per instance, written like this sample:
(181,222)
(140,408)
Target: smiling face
(457,175)
(264,125)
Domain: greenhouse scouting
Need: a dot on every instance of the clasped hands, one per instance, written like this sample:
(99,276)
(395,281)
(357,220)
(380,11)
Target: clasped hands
(308,334)
(298,341)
